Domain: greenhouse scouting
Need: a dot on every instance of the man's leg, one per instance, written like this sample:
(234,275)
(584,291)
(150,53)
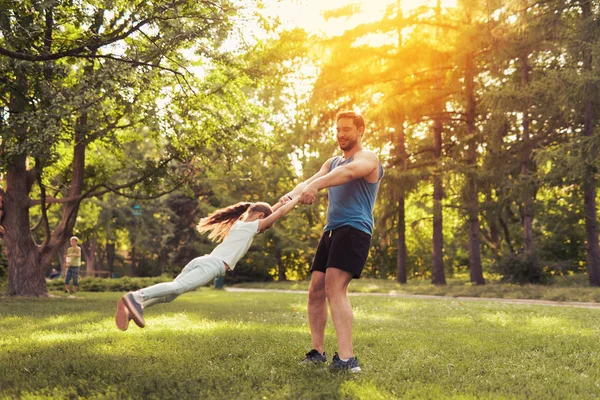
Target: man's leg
(317,310)
(336,287)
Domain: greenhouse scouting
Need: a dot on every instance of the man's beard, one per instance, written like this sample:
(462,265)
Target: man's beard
(348,145)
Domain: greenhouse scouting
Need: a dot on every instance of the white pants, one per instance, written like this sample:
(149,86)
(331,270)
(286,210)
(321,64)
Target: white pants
(198,272)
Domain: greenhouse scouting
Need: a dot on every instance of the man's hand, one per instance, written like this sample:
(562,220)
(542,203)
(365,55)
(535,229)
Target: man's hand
(309,194)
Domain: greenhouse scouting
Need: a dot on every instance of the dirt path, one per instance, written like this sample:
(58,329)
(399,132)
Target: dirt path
(431,297)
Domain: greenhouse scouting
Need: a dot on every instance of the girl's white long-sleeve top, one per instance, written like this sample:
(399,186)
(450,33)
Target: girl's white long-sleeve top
(237,243)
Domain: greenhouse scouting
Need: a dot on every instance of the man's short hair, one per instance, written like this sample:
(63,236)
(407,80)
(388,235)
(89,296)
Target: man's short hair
(74,237)
(357,119)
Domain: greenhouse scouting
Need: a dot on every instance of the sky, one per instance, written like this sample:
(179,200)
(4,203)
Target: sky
(307,14)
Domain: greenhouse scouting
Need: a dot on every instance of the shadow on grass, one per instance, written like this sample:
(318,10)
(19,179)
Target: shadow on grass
(217,361)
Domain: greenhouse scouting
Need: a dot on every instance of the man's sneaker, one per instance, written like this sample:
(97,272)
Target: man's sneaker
(314,357)
(338,365)
(122,316)
(135,310)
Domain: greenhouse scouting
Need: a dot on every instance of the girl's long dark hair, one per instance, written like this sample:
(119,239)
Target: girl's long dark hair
(221,221)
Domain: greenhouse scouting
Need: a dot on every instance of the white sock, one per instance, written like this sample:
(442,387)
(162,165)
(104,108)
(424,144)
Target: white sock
(346,360)
(138,296)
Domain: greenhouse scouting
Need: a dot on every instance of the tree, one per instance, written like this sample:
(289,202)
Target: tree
(589,41)
(574,160)
(82,78)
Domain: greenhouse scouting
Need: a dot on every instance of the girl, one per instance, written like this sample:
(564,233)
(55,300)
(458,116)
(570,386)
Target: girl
(236,227)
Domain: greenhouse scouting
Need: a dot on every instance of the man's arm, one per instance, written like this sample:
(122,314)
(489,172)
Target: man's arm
(300,187)
(364,163)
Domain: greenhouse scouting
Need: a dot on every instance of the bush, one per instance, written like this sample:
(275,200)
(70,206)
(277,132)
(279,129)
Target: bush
(125,284)
(522,268)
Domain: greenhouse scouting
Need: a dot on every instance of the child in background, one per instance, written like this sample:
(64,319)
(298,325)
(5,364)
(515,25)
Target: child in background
(73,262)
(236,227)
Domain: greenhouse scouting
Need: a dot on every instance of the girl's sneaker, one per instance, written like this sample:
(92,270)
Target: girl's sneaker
(122,316)
(338,365)
(135,310)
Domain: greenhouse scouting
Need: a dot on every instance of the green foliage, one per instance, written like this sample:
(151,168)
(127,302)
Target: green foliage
(237,129)
(124,284)
(521,268)
(216,344)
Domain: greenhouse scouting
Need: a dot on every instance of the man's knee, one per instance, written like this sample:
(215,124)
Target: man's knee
(316,294)
(334,289)
(336,283)
(316,290)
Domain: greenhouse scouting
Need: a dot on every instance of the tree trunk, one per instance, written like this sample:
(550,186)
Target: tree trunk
(437,270)
(402,162)
(591,225)
(89,251)
(589,175)
(64,229)
(62,259)
(471,183)
(110,256)
(401,260)
(402,157)
(491,218)
(134,268)
(25,274)
(506,233)
(528,193)
(27,262)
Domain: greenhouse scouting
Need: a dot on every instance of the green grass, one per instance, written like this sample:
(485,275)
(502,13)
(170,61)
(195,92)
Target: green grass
(564,288)
(217,344)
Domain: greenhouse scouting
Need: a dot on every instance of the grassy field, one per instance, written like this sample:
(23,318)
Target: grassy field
(222,345)
(564,288)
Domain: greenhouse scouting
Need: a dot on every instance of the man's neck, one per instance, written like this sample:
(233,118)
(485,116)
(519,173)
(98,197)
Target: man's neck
(352,151)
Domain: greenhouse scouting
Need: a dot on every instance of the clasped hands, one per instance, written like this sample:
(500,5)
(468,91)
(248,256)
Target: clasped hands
(308,195)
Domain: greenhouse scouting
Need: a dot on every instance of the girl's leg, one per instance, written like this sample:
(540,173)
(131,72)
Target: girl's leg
(158,300)
(196,273)
(169,298)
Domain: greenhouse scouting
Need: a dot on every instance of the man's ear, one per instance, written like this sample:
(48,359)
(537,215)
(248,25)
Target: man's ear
(261,215)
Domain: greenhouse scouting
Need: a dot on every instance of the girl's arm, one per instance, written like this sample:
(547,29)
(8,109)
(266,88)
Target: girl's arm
(300,187)
(266,223)
(276,206)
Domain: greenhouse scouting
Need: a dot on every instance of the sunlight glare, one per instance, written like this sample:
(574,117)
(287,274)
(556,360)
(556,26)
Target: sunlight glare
(308,14)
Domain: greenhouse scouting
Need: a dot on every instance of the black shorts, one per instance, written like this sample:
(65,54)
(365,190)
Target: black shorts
(344,248)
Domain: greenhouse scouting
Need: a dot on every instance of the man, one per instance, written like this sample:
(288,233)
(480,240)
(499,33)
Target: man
(73,262)
(353,180)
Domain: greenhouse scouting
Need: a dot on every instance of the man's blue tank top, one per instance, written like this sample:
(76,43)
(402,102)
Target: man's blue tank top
(352,203)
